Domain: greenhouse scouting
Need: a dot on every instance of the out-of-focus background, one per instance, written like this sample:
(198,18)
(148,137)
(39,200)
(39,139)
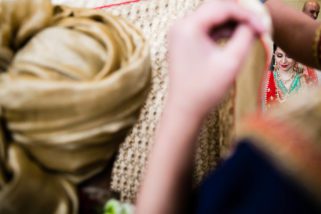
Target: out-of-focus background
(298,4)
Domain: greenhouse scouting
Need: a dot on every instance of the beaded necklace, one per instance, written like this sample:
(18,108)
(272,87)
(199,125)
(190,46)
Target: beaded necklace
(282,92)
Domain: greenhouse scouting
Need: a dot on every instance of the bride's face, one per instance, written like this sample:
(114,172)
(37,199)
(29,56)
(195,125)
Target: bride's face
(282,61)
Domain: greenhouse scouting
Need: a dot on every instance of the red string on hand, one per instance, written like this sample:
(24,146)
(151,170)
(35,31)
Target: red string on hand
(116,4)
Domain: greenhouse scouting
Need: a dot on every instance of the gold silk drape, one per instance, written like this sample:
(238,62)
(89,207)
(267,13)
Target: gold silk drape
(72,82)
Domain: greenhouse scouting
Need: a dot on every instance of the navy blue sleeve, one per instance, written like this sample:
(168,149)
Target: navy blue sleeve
(249,183)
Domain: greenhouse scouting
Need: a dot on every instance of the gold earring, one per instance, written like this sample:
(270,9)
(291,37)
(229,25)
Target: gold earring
(276,67)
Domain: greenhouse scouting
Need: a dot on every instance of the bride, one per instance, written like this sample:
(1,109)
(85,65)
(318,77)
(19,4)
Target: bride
(286,78)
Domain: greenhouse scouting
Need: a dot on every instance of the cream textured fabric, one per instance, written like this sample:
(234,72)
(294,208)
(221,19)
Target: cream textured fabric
(72,83)
(154,17)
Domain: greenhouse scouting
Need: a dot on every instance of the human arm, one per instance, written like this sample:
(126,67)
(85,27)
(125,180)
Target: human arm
(293,31)
(200,74)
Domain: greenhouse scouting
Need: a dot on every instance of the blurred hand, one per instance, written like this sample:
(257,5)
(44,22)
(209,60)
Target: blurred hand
(201,70)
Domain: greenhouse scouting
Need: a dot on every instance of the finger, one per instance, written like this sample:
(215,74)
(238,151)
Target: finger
(215,13)
(239,45)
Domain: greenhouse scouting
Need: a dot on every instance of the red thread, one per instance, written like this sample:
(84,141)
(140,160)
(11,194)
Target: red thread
(116,4)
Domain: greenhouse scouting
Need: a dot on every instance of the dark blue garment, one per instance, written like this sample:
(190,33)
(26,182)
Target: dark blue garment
(248,183)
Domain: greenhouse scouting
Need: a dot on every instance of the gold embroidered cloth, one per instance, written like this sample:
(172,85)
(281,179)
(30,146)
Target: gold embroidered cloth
(72,82)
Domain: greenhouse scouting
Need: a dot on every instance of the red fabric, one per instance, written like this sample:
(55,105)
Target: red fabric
(312,76)
(270,90)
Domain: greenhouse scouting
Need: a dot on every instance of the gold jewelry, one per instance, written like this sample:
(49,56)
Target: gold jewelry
(278,91)
(276,66)
(281,84)
(290,79)
(285,81)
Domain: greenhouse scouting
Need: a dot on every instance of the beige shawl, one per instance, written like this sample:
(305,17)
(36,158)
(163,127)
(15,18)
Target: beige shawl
(72,82)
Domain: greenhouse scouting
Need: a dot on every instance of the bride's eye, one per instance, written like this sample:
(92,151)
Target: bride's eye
(279,55)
